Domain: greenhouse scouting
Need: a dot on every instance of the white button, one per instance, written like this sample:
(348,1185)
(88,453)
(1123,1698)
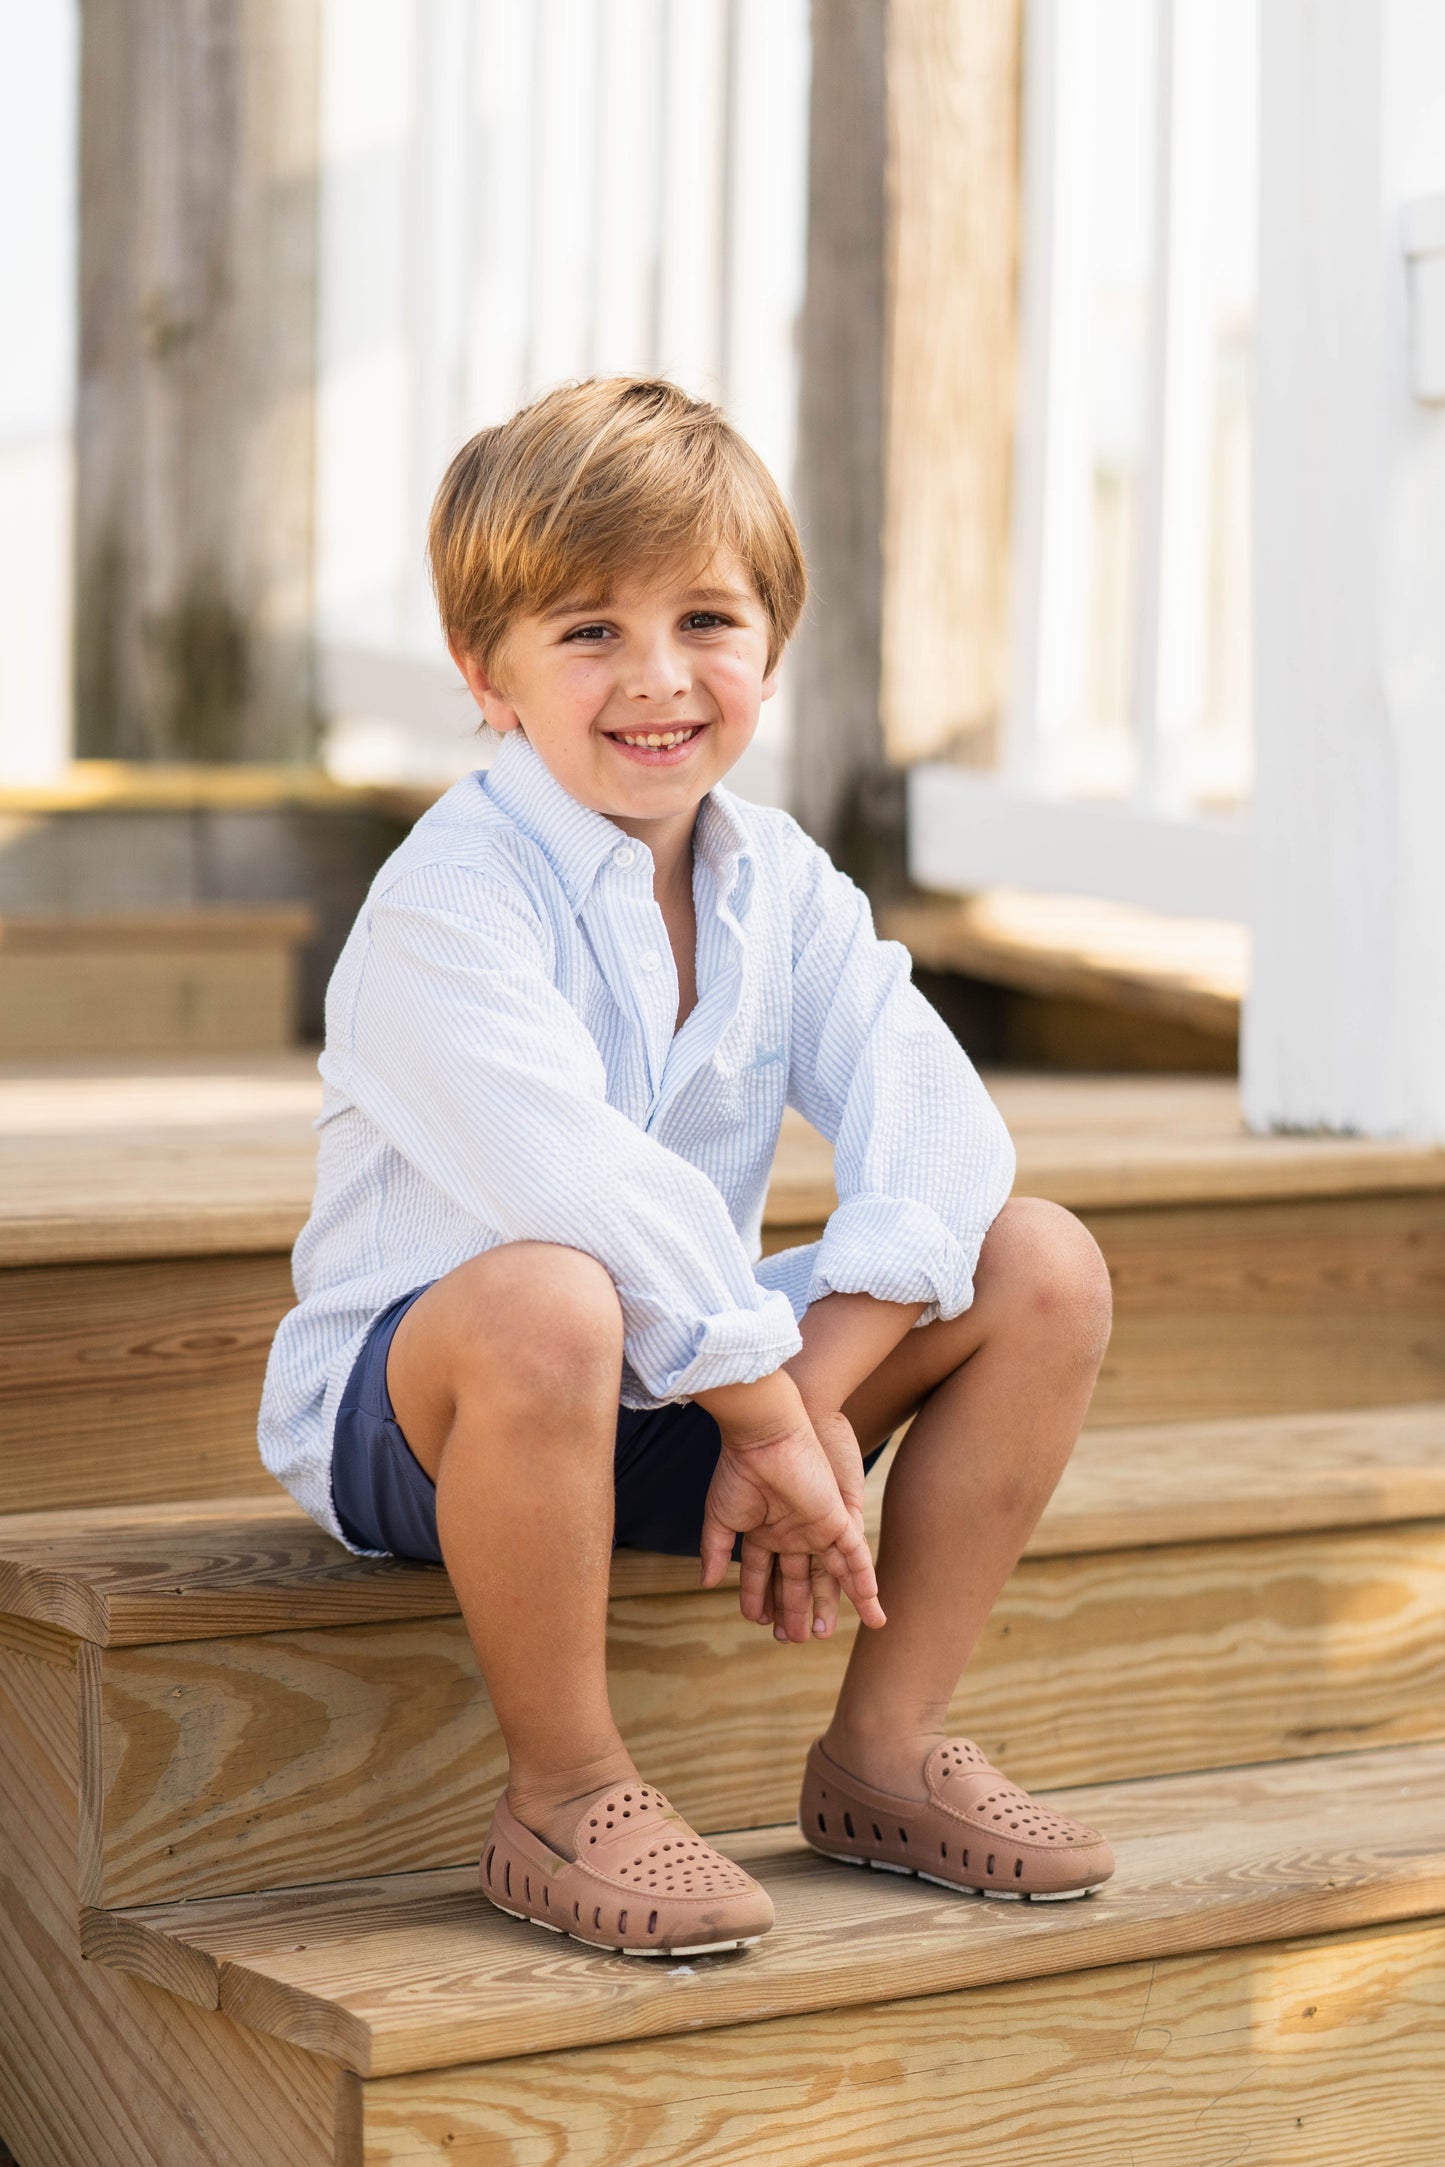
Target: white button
(624,856)
(649,960)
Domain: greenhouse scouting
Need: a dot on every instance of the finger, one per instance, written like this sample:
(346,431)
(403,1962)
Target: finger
(794,1586)
(754,1580)
(826,1594)
(851,1562)
(716,1547)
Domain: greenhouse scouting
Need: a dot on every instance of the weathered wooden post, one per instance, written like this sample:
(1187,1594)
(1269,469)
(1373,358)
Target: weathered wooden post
(197,354)
(905,425)
(1345,1025)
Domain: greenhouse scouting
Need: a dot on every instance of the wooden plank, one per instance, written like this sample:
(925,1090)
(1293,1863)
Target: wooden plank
(1254,1305)
(836,664)
(1100,1142)
(166,1157)
(1267,1307)
(188,1158)
(197,354)
(179,1571)
(188,786)
(1051,1031)
(951,374)
(101,2070)
(221,1765)
(204,929)
(135,1380)
(1316,2053)
(149,1001)
(1205,1862)
(1181,970)
(127,1575)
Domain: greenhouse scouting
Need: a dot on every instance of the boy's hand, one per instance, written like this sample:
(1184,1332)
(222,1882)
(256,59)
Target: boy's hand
(836,1435)
(775,1484)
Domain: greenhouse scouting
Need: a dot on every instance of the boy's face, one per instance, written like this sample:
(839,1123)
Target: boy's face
(683,659)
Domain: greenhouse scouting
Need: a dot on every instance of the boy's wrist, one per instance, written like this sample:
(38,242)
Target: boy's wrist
(758,1410)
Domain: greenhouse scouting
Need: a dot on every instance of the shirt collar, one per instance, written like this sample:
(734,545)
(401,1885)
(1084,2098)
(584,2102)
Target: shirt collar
(577,842)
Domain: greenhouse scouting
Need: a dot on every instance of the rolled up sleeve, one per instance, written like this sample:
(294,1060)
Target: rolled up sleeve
(466,1056)
(922,1160)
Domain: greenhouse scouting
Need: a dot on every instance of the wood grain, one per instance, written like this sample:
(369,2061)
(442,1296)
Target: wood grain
(1180,970)
(195,1000)
(1267,1307)
(1254,1306)
(98,2069)
(1318,2053)
(436,1978)
(202,928)
(951,371)
(134,1381)
(1053,1031)
(193,1158)
(222,1765)
(124,1575)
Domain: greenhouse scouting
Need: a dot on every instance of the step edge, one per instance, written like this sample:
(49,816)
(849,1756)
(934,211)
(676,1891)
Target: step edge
(1354,1497)
(84,1614)
(321,2025)
(1386,1892)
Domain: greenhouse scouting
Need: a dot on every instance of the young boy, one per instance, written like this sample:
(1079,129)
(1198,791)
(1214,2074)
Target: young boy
(533,1321)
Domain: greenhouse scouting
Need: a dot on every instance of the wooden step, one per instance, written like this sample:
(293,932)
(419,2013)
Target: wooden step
(1189,971)
(1307,2053)
(262,1709)
(1075,983)
(148,1216)
(1265,1978)
(210,979)
(418,1971)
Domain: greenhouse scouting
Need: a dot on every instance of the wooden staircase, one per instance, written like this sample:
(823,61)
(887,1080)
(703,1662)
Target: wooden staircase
(243,1776)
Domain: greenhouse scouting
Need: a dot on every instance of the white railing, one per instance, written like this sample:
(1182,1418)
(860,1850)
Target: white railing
(1126,745)
(514,195)
(38,59)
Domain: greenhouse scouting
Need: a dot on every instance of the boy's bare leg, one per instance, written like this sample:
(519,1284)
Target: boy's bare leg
(505,1378)
(1005,1388)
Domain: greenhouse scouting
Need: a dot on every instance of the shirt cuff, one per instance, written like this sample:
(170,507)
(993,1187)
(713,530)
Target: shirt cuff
(737,1346)
(897,1250)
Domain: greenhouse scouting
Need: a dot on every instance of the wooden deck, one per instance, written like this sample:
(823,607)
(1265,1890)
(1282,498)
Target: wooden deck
(1182,970)
(115,1159)
(243,1775)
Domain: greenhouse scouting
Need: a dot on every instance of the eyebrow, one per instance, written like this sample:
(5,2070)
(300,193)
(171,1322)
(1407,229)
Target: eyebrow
(695,595)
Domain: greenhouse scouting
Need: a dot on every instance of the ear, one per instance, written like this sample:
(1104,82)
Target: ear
(770,683)
(497,710)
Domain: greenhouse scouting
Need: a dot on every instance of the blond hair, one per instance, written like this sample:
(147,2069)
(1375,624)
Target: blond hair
(613,477)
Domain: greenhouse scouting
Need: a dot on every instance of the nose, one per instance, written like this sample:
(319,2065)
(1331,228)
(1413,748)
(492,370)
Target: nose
(657,671)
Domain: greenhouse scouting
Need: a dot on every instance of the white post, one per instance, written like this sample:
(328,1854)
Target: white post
(1345,1025)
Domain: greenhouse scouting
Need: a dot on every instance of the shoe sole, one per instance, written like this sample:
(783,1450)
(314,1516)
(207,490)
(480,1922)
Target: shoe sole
(959,1888)
(614,1948)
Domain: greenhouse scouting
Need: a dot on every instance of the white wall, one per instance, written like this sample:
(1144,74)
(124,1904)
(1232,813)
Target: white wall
(38,83)
(1345,1027)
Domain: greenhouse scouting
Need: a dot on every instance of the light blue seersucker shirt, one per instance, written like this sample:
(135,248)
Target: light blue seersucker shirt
(501,1065)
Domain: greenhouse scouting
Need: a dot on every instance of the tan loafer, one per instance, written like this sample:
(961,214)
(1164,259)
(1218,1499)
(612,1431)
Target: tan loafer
(976,1831)
(641,1880)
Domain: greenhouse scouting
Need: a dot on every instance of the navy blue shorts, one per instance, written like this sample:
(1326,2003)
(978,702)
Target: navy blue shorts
(385,1499)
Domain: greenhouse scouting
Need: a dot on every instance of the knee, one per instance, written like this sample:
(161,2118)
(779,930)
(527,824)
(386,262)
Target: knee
(1052,1271)
(543,1320)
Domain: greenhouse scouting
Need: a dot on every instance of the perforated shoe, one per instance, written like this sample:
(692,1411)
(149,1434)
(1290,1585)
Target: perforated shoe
(976,1831)
(641,1880)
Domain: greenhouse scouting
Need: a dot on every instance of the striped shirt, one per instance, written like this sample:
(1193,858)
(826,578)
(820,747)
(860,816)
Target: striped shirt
(501,1065)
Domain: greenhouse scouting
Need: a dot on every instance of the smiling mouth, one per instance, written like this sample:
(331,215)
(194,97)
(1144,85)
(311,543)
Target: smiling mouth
(657,740)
